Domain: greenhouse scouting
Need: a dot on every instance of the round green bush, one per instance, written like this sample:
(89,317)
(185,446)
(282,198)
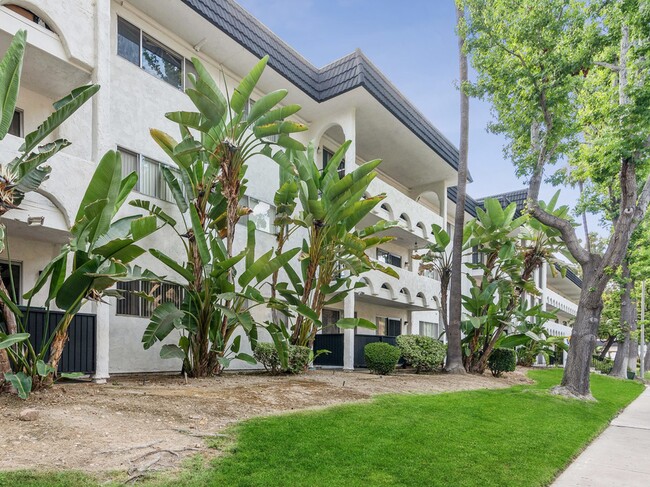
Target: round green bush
(267,355)
(381,358)
(421,352)
(502,360)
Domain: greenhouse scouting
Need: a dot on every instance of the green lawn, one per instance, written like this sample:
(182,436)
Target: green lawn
(520,436)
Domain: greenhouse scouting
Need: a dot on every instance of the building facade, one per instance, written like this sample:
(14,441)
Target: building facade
(139,53)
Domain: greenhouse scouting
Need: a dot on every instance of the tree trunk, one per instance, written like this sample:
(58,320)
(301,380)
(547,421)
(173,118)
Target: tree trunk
(575,381)
(620,359)
(628,321)
(454,363)
(11,328)
(647,357)
(60,339)
(608,345)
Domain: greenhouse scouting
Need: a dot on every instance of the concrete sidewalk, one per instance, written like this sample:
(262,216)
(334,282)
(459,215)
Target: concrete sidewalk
(619,456)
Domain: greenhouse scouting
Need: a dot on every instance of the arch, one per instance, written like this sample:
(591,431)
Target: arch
(423,298)
(422,228)
(323,131)
(52,26)
(368,285)
(407,294)
(391,292)
(387,208)
(59,206)
(404,218)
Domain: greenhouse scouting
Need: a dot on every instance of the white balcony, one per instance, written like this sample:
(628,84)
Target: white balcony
(556,329)
(410,215)
(562,304)
(409,290)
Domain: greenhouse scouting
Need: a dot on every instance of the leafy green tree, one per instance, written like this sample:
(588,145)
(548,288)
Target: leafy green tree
(333,252)
(27,171)
(554,71)
(511,249)
(217,142)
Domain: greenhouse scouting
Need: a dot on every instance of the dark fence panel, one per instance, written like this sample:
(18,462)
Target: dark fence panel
(79,352)
(333,343)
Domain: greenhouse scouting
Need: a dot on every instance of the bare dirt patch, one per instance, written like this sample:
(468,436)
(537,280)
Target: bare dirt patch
(138,423)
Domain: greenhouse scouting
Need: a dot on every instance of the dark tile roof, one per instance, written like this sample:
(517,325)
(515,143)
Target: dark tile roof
(571,276)
(345,74)
(505,199)
(470,203)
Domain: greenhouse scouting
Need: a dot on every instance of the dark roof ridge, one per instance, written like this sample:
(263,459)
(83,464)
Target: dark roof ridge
(324,83)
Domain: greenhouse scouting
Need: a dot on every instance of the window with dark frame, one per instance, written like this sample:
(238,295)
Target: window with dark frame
(14,275)
(150,177)
(16,127)
(133,304)
(154,57)
(327,156)
(263,214)
(329,318)
(389,258)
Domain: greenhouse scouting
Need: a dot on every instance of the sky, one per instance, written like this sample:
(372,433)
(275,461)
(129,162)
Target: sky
(413,42)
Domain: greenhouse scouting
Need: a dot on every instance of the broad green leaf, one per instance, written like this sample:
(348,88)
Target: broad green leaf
(243,92)
(22,383)
(171,351)
(173,265)
(10,70)
(44,369)
(7,341)
(199,235)
(162,323)
(64,109)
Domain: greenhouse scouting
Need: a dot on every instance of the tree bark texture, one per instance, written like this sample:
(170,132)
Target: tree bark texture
(454,362)
(628,315)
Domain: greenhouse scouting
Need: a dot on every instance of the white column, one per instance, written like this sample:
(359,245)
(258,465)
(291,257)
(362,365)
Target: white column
(102,142)
(101,310)
(348,335)
(349,129)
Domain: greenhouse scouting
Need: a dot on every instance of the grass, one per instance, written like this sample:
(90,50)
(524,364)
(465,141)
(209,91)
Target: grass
(521,436)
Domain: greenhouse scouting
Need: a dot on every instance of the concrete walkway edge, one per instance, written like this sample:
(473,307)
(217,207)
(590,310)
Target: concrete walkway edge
(619,456)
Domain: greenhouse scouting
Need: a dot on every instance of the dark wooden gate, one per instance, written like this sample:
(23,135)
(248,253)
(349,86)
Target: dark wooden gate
(360,341)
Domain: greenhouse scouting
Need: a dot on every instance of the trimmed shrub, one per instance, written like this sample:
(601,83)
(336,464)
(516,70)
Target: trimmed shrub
(502,360)
(381,358)
(421,352)
(299,358)
(267,355)
(603,366)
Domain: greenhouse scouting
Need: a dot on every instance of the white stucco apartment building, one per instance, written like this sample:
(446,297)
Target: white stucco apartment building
(113,43)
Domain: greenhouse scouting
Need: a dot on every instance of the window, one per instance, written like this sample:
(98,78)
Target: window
(16,127)
(155,58)
(327,155)
(150,177)
(429,329)
(329,317)
(391,327)
(7,276)
(161,62)
(133,304)
(128,41)
(263,214)
(28,14)
(388,258)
